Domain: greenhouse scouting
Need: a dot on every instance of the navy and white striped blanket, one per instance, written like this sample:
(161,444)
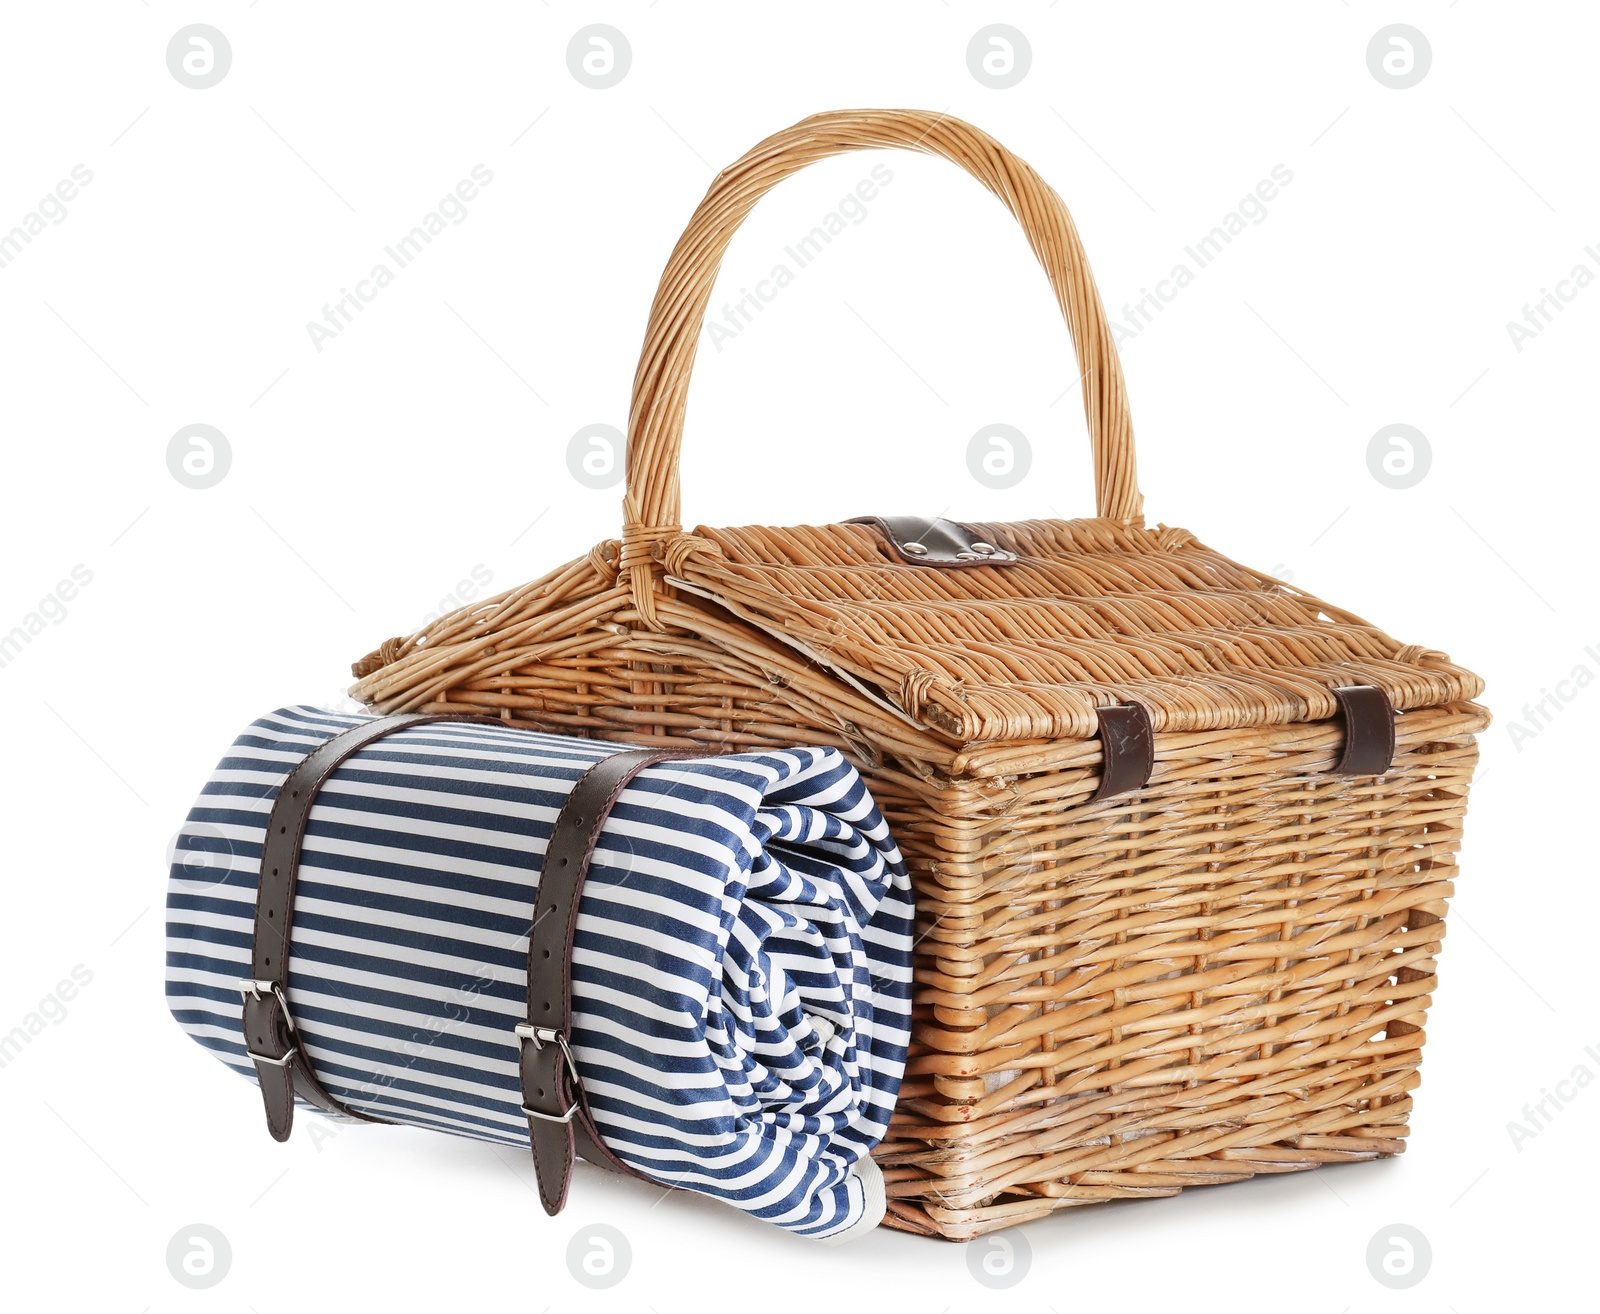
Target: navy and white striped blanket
(741,969)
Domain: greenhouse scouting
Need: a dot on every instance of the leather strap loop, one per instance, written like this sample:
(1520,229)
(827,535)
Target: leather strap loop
(1127,749)
(270,1037)
(552,1096)
(1368,731)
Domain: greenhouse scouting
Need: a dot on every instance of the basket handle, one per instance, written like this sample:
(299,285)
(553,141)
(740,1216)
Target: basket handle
(651,508)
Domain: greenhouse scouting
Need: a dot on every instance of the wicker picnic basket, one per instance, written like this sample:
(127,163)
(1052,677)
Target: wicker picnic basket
(1182,836)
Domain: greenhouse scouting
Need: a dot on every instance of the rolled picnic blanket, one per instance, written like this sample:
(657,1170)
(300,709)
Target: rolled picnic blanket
(740,959)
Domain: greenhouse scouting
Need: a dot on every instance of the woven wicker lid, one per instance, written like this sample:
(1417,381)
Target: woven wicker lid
(1094,612)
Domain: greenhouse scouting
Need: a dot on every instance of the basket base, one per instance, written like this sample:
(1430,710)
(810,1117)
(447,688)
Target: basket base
(1154,1180)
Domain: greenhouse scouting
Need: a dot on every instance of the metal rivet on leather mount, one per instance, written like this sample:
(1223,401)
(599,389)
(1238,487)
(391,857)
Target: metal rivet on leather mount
(986,549)
(915,549)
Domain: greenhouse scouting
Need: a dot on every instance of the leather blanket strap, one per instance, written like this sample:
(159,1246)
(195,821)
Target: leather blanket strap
(270,1037)
(559,1122)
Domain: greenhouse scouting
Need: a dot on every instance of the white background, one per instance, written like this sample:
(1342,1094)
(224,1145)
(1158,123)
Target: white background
(367,479)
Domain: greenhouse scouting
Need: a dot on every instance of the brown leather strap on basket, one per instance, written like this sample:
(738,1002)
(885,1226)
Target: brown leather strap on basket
(1368,731)
(1127,749)
(270,1035)
(936,542)
(559,1122)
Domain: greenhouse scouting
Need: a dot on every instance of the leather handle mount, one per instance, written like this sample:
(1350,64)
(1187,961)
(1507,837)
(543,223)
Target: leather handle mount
(921,541)
(559,1122)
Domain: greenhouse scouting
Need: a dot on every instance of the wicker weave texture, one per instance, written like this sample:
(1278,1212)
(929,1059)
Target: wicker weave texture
(1227,972)
(1222,973)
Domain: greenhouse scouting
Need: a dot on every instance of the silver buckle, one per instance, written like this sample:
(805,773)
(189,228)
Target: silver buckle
(539,1037)
(252,989)
(529,1034)
(551,1117)
(283,1062)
